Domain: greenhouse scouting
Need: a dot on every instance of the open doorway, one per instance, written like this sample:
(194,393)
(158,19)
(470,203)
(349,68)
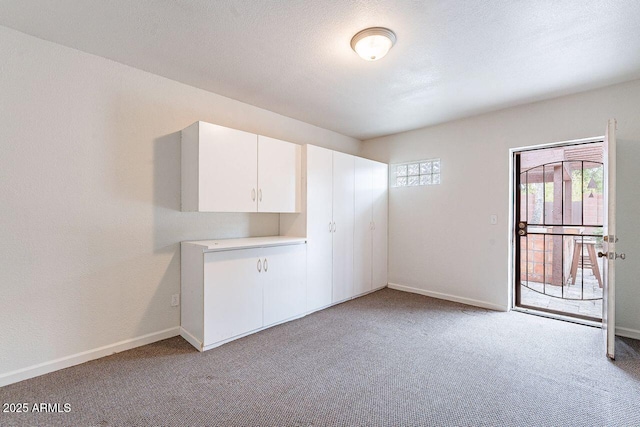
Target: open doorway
(559,196)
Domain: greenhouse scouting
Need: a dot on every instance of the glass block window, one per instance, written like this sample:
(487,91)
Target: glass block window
(423,172)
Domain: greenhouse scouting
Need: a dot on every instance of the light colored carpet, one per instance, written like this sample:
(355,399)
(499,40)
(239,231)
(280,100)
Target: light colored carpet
(386,359)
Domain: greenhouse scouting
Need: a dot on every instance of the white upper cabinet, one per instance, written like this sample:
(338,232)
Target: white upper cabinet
(228,170)
(278,175)
(219,169)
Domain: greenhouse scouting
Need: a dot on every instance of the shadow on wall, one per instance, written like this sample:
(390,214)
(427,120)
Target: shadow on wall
(166,176)
(148,277)
(628,230)
(167,283)
(171,225)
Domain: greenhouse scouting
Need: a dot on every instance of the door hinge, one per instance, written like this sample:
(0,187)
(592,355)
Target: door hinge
(522,228)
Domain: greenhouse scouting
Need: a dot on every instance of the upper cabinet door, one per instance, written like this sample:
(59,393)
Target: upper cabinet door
(279,182)
(228,169)
(219,169)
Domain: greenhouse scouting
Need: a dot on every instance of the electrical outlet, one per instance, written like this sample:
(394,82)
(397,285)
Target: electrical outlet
(493,219)
(175,300)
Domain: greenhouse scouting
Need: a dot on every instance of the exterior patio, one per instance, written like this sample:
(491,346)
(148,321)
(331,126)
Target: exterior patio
(586,286)
(561,211)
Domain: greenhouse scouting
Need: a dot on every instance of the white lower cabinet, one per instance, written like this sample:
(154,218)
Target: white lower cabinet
(230,293)
(284,283)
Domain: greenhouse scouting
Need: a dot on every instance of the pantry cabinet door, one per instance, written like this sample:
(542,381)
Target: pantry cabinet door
(343,225)
(319,227)
(380,224)
(362,244)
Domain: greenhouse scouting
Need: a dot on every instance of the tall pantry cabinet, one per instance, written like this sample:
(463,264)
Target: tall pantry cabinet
(344,217)
(330,221)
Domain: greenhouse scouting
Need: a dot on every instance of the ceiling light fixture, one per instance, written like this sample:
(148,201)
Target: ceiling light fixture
(373,43)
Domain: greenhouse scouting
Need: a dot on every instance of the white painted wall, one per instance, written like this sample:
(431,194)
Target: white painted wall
(440,239)
(90,198)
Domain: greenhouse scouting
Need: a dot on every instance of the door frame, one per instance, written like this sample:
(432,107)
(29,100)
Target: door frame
(512,217)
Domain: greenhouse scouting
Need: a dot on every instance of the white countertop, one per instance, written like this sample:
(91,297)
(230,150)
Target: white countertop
(249,242)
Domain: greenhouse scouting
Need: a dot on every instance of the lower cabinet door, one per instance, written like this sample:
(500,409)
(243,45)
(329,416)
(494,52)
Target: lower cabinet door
(232,293)
(284,282)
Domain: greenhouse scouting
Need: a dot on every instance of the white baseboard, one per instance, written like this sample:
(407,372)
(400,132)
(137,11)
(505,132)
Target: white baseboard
(191,339)
(85,356)
(448,297)
(628,333)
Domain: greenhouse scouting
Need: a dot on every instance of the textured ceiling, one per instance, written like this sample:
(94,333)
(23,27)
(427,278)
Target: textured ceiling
(452,58)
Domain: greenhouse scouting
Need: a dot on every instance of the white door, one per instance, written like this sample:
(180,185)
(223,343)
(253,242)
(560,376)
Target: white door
(363,226)
(228,168)
(278,175)
(284,278)
(609,245)
(380,221)
(319,227)
(343,224)
(232,294)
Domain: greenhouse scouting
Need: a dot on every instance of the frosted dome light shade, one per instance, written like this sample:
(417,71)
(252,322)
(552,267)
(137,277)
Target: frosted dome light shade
(373,43)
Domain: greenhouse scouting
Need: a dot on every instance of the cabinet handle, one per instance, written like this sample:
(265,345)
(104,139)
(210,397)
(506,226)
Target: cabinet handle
(260,194)
(253,194)
(334,227)
(266,265)
(330,230)
(259,266)
(374,224)
(370,225)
